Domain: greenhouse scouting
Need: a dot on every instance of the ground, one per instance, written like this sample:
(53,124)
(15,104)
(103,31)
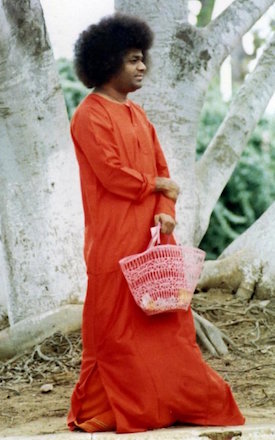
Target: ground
(248,367)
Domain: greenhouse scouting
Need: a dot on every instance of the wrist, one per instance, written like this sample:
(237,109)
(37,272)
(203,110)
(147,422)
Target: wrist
(159,184)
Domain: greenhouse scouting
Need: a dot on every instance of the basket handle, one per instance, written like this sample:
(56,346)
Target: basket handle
(155,234)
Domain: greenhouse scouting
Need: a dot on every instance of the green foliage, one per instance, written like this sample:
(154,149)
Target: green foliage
(74,91)
(251,188)
(204,16)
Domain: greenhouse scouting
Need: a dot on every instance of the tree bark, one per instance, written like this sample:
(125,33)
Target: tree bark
(39,197)
(225,32)
(223,153)
(239,62)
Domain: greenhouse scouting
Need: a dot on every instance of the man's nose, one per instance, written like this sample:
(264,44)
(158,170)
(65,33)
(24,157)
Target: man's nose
(141,66)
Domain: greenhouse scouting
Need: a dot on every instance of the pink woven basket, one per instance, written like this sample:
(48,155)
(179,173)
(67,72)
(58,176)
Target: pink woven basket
(164,277)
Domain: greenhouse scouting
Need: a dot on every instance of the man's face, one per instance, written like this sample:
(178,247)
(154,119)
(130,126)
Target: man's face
(130,77)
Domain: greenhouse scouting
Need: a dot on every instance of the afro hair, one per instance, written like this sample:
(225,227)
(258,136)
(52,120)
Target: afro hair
(100,49)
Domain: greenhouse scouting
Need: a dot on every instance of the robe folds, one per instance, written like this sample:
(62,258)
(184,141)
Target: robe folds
(138,372)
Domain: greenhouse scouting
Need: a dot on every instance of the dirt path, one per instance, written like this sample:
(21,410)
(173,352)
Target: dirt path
(249,368)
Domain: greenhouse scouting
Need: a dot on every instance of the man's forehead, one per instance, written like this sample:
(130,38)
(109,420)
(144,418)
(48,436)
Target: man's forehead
(134,52)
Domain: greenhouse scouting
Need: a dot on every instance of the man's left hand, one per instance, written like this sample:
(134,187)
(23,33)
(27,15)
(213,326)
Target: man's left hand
(167,223)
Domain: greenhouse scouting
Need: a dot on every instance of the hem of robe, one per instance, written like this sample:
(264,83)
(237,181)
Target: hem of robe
(97,421)
(106,421)
(101,423)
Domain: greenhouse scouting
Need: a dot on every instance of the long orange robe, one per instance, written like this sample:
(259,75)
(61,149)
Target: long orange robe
(138,372)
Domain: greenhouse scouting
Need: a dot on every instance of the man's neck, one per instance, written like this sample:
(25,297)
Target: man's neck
(110,93)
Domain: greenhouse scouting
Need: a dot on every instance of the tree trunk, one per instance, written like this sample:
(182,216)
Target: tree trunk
(184,60)
(41,220)
(39,199)
(239,61)
(169,100)
(220,158)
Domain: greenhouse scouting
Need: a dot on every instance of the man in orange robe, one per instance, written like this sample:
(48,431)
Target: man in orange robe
(138,372)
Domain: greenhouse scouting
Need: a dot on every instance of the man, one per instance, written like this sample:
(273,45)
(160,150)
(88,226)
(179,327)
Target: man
(138,372)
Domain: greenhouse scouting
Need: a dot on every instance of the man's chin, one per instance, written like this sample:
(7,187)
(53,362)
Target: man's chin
(136,86)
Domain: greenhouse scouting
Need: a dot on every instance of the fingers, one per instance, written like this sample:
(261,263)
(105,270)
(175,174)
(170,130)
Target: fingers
(157,219)
(169,188)
(175,187)
(167,223)
(173,195)
(167,227)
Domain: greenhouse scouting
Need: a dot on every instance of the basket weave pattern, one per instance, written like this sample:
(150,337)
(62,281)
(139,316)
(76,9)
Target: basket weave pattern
(164,277)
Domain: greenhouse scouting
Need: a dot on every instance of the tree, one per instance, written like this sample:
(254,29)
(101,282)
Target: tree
(185,59)
(250,189)
(36,126)
(41,220)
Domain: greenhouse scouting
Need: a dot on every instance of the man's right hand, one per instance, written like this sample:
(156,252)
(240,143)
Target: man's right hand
(168,187)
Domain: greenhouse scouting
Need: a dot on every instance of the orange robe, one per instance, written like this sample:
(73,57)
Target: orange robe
(138,372)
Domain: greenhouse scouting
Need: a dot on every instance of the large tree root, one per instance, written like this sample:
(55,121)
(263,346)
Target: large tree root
(210,336)
(31,331)
(239,273)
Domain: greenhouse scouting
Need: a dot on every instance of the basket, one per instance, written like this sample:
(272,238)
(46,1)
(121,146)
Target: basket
(164,277)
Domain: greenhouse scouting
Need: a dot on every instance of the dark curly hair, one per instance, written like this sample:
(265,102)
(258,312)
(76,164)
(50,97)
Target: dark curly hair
(100,49)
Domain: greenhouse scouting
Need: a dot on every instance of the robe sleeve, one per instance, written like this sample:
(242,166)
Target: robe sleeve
(164,204)
(92,133)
